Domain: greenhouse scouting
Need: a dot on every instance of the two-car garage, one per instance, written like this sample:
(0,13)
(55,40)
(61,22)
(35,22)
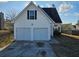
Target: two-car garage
(31,34)
(33,24)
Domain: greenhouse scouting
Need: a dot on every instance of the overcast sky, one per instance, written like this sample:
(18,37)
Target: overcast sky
(68,11)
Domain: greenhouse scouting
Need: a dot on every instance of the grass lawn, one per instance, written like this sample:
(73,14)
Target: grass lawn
(7,40)
(1,31)
(68,47)
(69,35)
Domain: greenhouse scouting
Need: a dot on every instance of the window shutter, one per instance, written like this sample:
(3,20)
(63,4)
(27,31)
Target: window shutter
(27,14)
(35,14)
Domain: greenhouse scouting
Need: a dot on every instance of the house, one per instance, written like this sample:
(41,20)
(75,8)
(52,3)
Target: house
(1,20)
(68,26)
(36,23)
(76,27)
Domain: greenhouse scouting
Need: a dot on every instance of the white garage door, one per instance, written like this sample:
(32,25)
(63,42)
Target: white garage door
(32,34)
(40,33)
(23,34)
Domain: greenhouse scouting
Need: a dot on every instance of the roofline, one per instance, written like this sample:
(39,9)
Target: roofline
(22,10)
(57,13)
(37,7)
(46,14)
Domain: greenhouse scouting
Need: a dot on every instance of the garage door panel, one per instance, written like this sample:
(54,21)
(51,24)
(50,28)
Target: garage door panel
(18,31)
(23,34)
(40,33)
(27,33)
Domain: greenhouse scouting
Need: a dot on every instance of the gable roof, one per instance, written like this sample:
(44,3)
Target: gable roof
(52,12)
(37,7)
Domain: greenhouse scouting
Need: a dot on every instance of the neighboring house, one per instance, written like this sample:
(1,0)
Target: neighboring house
(76,27)
(68,27)
(1,20)
(36,23)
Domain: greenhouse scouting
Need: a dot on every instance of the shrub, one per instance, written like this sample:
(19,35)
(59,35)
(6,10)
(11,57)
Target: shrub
(5,29)
(11,31)
(56,33)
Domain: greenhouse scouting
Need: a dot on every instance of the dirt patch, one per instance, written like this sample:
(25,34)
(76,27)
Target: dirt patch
(6,40)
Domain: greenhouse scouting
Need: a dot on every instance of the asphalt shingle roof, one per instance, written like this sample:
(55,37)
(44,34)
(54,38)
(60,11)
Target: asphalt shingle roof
(52,12)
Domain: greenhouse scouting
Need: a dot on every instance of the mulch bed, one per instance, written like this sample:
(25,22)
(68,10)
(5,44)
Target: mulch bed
(68,47)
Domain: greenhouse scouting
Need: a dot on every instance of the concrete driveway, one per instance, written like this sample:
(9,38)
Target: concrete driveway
(27,49)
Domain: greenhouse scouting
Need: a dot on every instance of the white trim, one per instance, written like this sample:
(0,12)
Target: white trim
(32,33)
(49,33)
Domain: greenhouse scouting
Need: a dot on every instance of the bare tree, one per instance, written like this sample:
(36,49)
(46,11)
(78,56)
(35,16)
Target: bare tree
(11,14)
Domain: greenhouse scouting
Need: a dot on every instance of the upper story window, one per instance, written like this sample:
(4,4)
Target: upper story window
(32,14)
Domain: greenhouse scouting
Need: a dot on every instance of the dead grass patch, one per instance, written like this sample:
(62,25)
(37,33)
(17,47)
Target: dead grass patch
(6,41)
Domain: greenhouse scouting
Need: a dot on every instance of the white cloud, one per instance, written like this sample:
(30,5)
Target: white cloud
(73,14)
(48,5)
(3,1)
(76,14)
(67,14)
(64,7)
(41,5)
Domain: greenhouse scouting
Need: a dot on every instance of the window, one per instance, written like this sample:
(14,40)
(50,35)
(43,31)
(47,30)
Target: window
(31,14)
